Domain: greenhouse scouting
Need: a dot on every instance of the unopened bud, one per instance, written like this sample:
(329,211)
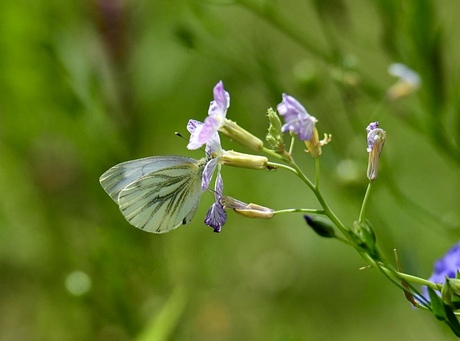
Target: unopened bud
(455,285)
(247,210)
(241,160)
(240,135)
(320,225)
(275,135)
(375,141)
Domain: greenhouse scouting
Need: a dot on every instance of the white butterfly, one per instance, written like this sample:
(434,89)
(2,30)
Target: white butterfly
(156,194)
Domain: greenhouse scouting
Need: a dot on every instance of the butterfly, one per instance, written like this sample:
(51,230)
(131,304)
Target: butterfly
(158,193)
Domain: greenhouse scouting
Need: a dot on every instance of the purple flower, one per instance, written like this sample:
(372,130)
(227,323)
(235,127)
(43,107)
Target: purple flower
(447,266)
(298,120)
(216,115)
(216,216)
(213,151)
(372,126)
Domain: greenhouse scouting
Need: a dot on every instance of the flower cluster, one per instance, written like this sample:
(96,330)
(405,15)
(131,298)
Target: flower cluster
(297,121)
(207,133)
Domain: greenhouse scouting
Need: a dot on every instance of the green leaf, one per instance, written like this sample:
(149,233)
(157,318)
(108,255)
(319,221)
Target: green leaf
(452,320)
(437,305)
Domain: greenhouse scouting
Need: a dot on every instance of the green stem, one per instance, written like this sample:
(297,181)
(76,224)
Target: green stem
(283,157)
(399,275)
(302,176)
(317,173)
(291,146)
(304,210)
(364,204)
(388,271)
(331,215)
(293,166)
(280,165)
(413,279)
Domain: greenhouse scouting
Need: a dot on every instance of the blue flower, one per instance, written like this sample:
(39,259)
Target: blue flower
(216,117)
(447,266)
(216,216)
(298,120)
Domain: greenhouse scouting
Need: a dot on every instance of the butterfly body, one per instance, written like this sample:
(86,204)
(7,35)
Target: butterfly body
(158,193)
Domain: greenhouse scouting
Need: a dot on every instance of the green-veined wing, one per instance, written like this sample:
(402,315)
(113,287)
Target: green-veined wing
(156,194)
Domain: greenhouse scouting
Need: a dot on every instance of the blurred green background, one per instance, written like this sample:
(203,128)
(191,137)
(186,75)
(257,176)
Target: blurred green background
(85,85)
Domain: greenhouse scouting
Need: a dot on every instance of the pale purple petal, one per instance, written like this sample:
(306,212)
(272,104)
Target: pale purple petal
(194,127)
(372,126)
(373,132)
(297,119)
(221,101)
(210,127)
(216,116)
(208,173)
(213,147)
(306,128)
(216,216)
(219,187)
(291,109)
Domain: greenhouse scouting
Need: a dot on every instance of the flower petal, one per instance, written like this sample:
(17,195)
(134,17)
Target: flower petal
(297,119)
(221,101)
(208,173)
(209,129)
(216,216)
(194,127)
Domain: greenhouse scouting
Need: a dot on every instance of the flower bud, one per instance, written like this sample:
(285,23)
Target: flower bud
(320,225)
(236,159)
(446,292)
(240,135)
(247,210)
(364,235)
(275,135)
(454,284)
(375,141)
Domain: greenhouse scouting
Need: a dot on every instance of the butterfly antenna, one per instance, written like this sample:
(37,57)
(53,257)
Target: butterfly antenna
(179,135)
(182,137)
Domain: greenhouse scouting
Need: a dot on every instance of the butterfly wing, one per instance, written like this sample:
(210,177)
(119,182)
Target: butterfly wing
(121,175)
(165,198)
